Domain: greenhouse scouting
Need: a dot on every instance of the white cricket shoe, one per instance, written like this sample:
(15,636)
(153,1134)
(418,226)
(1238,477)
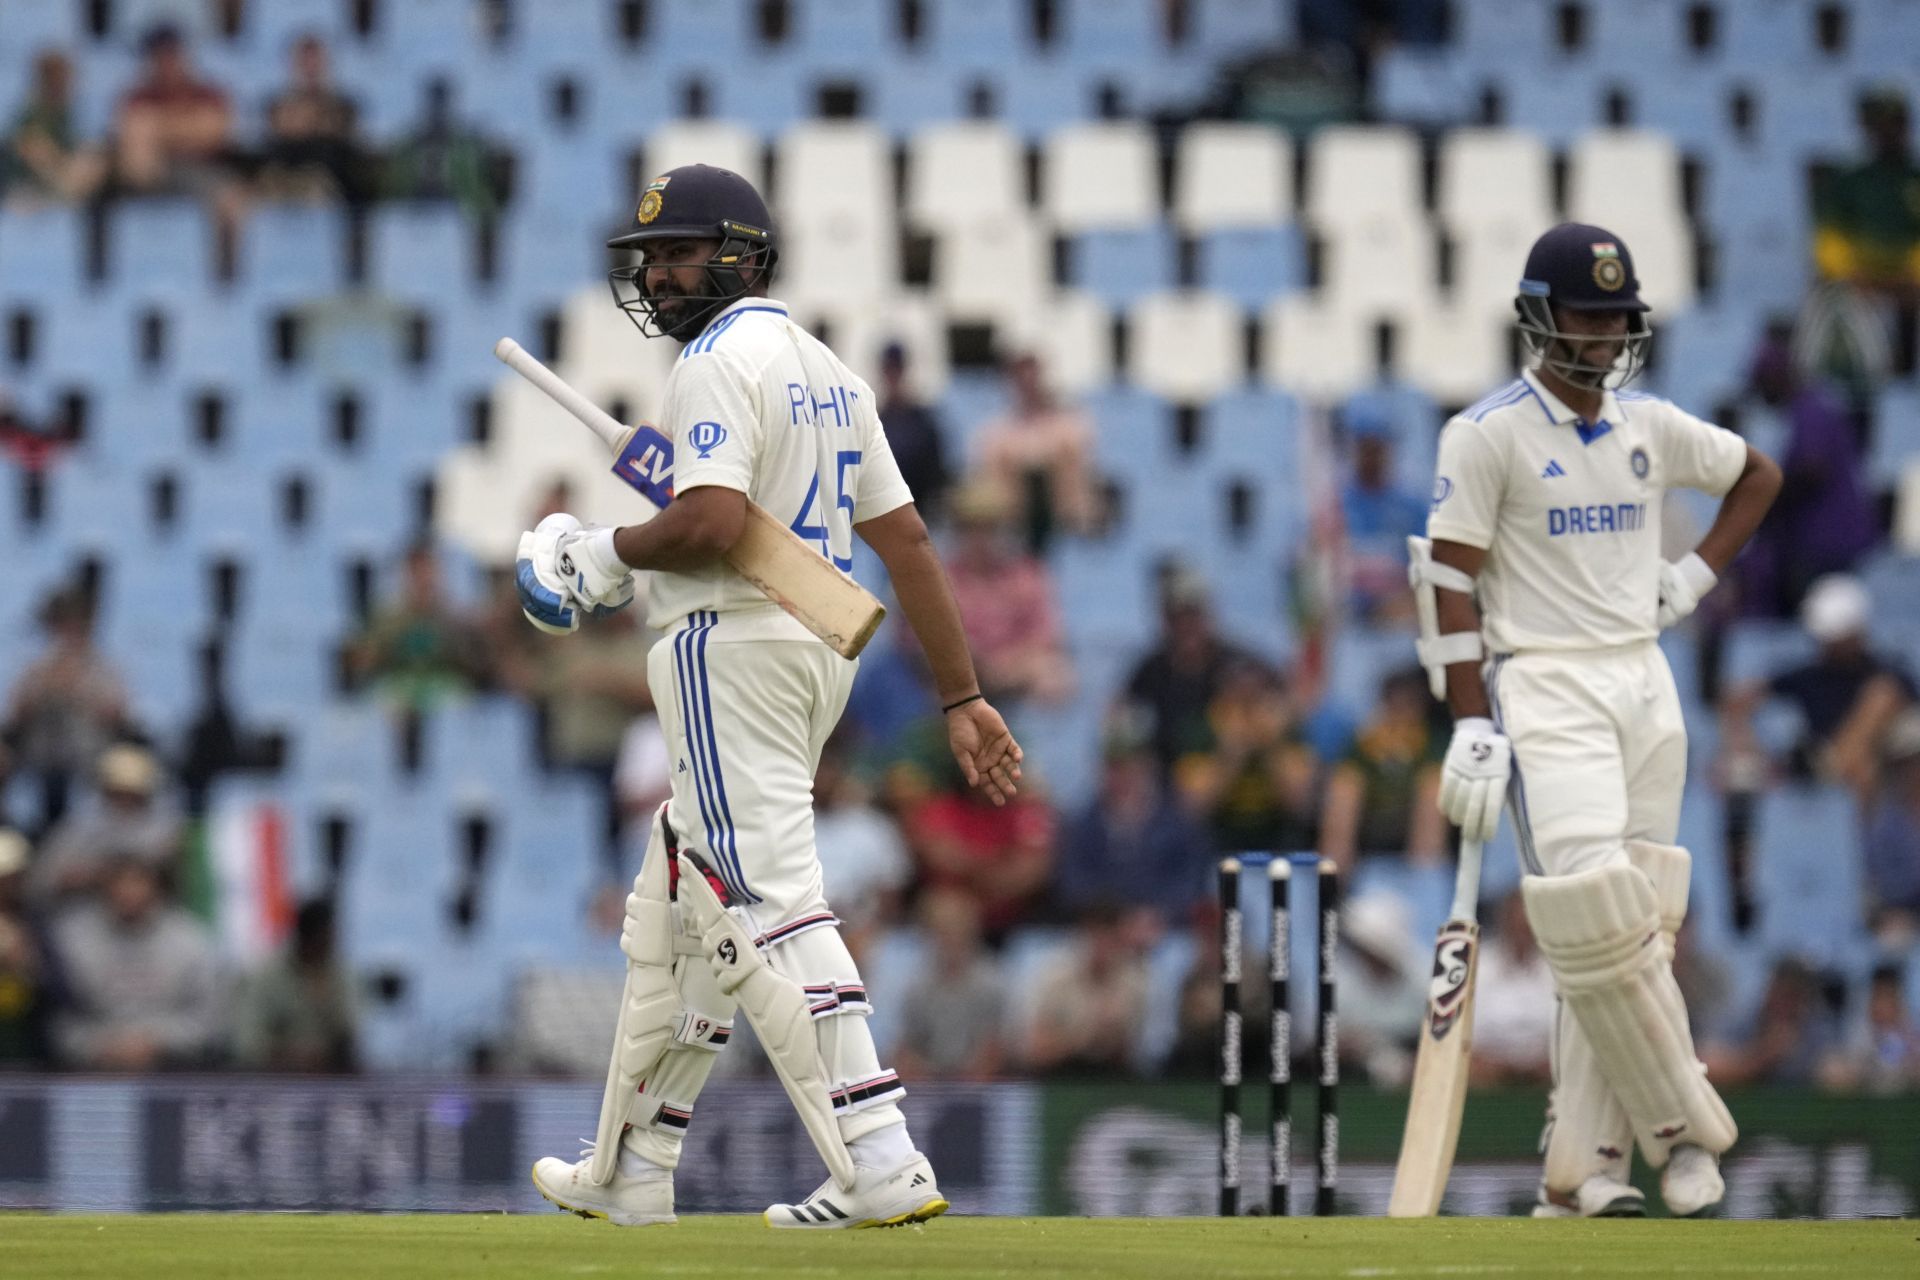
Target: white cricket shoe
(1691,1184)
(1597,1197)
(625,1202)
(891,1199)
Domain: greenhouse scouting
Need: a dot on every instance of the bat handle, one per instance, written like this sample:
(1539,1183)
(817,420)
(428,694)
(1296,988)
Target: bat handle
(1466,882)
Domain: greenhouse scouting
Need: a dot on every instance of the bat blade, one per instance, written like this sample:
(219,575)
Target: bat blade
(1437,1100)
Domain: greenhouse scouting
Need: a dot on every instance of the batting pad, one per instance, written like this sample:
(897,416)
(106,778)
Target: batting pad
(1600,932)
(778,1009)
(1670,868)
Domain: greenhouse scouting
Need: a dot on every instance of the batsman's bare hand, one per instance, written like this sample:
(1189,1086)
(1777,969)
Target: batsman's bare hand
(985,749)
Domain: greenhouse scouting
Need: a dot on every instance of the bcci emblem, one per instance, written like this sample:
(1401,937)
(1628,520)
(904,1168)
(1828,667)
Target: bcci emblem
(1639,461)
(706,437)
(1608,271)
(651,200)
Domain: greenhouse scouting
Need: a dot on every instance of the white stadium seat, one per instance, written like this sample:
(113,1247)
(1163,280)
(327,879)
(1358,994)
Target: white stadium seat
(964,172)
(1315,352)
(1452,355)
(1495,176)
(991,271)
(859,334)
(1072,334)
(1100,176)
(716,142)
(1233,175)
(1487,262)
(1353,170)
(1379,264)
(834,172)
(1187,346)
(1611,171)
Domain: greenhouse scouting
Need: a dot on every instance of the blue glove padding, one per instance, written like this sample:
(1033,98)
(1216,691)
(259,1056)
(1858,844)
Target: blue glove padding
(544,596)
(596,576)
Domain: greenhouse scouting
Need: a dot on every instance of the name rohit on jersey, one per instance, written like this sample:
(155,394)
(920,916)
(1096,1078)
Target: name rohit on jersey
(1602,517)
(806,410)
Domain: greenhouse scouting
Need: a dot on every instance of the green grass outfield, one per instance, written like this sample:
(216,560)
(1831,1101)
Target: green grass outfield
(269,1247)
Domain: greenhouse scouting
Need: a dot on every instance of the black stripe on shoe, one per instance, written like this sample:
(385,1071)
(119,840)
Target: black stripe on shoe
(832,1208)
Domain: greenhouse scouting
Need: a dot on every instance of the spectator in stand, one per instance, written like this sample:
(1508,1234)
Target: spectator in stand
(1382,981)
(1867,248)
(1823,520)
(954,1016)
(1256,787)
(913,433)
(1177,682)
(1883,1058)
(1134,843)
(445,159)
(26,977)
(1791,1037)
(296,1013)
(1040,456)
(128,818)
(1847,696)
(1378,518)
(1090,999)
(173,134)
(418,650)
(1001,856)
(143,985)
(42,158)
(862,855)
(1893,840)
(65,708)
(312,149)
(1513,1003)
(1008,603)
(1383,796)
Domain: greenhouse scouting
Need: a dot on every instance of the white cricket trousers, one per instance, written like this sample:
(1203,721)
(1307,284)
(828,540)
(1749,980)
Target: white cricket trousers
(745,720)
(1599,758)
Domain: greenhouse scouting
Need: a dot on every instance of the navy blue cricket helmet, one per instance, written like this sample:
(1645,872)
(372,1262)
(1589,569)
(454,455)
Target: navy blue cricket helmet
(696,202)
(1576,267)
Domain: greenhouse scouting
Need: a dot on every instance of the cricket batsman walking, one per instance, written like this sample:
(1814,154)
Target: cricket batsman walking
(729,912)
(1544,532)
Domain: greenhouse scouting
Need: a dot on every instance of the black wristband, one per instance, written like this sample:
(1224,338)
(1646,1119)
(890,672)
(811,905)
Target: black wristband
(954,706)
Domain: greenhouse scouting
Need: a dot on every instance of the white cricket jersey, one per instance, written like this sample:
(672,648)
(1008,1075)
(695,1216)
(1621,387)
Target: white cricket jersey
(758,404)
(1569,511)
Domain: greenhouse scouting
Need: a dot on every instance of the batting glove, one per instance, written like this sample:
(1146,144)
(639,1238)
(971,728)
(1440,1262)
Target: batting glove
(1682,583)
(545,598)
(598,577)
(1473,781)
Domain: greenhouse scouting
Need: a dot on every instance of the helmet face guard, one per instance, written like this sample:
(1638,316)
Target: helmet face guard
(742,249)
(1552,348)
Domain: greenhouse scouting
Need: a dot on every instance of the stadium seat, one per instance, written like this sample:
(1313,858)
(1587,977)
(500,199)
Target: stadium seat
(1896,434)
(1187,346)
(1099,177)
(1759,218)
(844,37)
(964,172)
(1252,265)
(1072,334)
(720,143)
(1452,355)
(1775,35)
(1757,649)
(1643,33)
(701,33)
(415,250)
(1380,264)
(980,33)
(991,270)
(1808,874)
(42,251)
(162,247)
(1488,261)
(1422,87)
(1121,266)
(1313,351)
(911,95)
(860,334)
(289,253)
(29,28)
(1234,28)
(1494,177)
(1628,181)
(1355,171)
(1232,176)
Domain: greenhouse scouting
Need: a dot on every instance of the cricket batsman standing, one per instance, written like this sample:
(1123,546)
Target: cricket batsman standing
(1545,541)
(729,911)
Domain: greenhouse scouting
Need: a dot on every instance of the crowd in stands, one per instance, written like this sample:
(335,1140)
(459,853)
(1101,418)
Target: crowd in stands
(1210,744)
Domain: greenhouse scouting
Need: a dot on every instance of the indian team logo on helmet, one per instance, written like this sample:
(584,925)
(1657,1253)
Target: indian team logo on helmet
(1608,271)
(1640,465)
(651,200)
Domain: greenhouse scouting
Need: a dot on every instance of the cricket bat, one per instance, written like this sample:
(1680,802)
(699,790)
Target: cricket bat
(1439,1093)
(771,556)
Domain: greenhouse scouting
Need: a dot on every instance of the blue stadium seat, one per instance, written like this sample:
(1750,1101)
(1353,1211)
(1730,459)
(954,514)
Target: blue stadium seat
(270,29)
(139,426)
(1251,433)
(1422,86)
(1105,591)
(1701,355)
(348,751)
(416,250)
(481,746)
(1810,113)
(42,252)
(1896,434)
(1559,107)
(227,508)
(1037,96)
(30,28)
(280,422)
(1252,265)
(363,508)
(1758,211)
(980,33)
(292,252)
(1113,33)
(1808,874)
(277,674)
(95,506)
(412,424)
(912,93)
(1133,433)
(1757,649)
(1234,28)
(1362,658)
(700,33)
(162,248)
(1635,33)
(1766,36)
(1122,266)
(844,37)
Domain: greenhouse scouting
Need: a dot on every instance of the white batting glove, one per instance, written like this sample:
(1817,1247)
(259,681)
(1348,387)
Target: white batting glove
(1473,781)
(1682,583)
(596,576)
(545,599)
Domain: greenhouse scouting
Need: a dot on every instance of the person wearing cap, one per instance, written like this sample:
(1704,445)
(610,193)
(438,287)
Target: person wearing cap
(913,433)
(755,407)
(1847,695)
(1543,595)
(127,817)
(65,708)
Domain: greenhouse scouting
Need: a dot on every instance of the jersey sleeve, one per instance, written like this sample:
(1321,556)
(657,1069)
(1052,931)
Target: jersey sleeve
(881,487)
(1698,455)
(1469,483)
(712,417)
